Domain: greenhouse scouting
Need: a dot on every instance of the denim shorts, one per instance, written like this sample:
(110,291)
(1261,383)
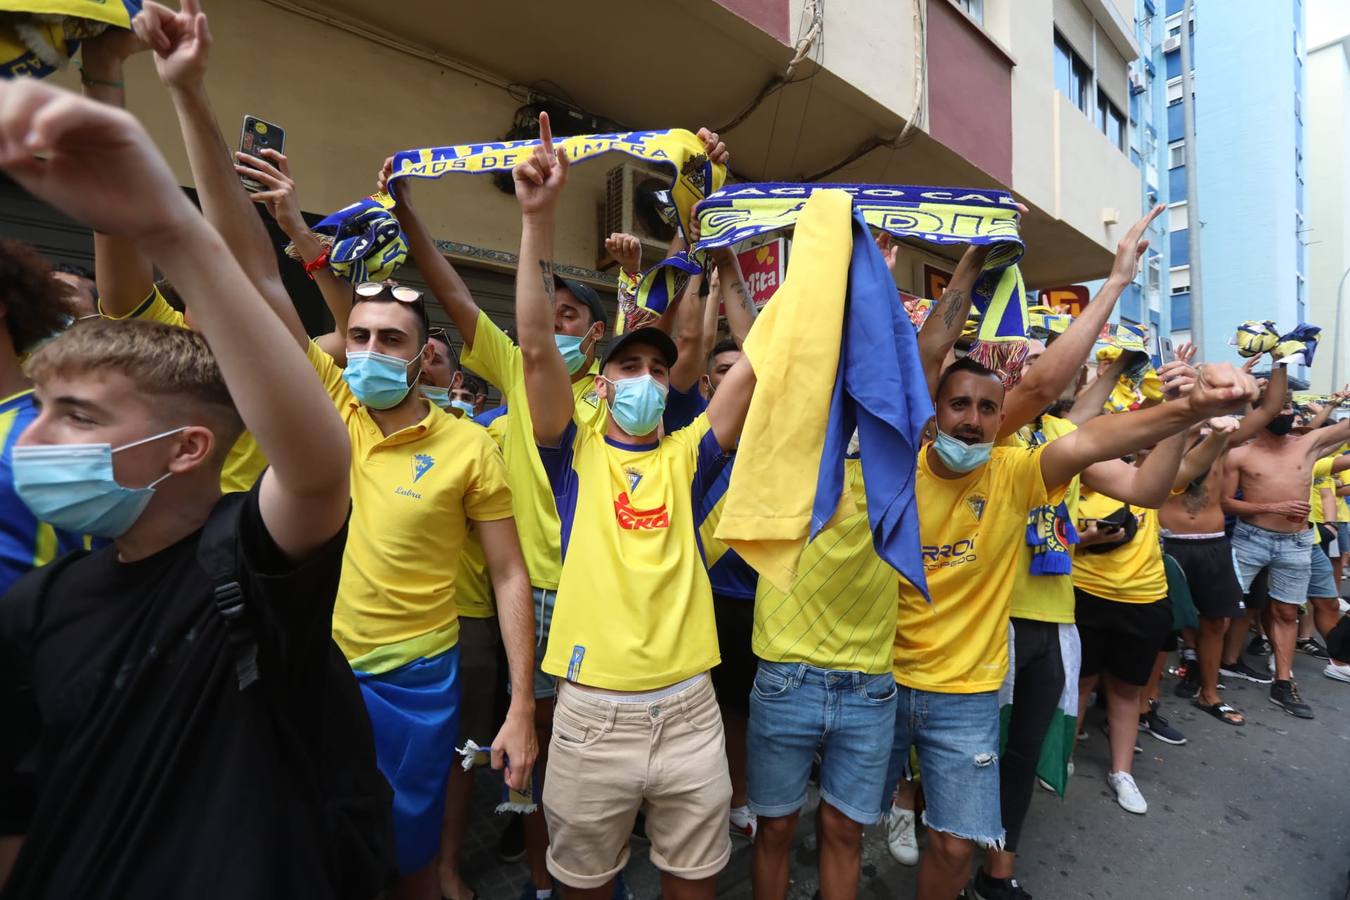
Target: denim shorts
(545,685)
(1284,554)
(797,711)
(956,736)
(1343,537)
(1321,578)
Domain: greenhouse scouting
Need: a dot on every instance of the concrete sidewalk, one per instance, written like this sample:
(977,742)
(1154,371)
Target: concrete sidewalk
(1261,811)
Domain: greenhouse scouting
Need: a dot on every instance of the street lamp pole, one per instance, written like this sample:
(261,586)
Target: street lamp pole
(1192,189)
(1336,335)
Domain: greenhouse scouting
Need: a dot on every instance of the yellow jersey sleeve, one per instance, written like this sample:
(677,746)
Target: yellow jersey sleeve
(487,498)
(493,356)
(329,374)
(154,308)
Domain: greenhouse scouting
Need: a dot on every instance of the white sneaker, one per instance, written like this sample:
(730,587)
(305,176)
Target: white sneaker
(1127,792)
(900,836)
(1337,672)
(744,823)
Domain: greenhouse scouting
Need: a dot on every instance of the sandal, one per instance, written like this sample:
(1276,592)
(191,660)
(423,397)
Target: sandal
(1221,711)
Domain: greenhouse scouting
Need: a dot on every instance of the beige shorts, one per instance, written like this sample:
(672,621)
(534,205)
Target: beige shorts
(608,759)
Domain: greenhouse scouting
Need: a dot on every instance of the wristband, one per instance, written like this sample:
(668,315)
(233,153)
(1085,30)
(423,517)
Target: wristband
(86,78)
(319,262)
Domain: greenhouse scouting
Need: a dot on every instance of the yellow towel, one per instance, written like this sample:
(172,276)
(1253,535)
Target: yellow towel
(794,349)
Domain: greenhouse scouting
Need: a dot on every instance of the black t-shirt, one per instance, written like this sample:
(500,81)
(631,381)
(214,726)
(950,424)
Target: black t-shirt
(156,775)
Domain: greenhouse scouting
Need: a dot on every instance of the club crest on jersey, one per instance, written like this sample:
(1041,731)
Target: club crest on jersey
(634,478)
(976,504)
(421,464)
(592,398)
(633,519)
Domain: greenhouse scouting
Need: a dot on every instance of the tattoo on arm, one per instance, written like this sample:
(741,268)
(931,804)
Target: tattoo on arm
(950,302)
(745,300)
(546,271)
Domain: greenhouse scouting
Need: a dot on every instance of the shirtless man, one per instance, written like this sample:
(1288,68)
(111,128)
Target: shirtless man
(1274,473)
(1193,534)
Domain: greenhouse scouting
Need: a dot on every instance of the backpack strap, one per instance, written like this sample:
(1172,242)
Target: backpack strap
(218,554)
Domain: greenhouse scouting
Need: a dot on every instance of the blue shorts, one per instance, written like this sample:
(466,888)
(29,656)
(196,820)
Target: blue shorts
(1284,554)
(798,710)
(1321,577)
(414,712)
(956,736)
(1343,537)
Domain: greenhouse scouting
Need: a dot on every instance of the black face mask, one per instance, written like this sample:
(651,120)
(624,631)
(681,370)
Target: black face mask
(1281,425)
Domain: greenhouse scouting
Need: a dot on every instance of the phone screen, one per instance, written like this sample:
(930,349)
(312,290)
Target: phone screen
(256,136)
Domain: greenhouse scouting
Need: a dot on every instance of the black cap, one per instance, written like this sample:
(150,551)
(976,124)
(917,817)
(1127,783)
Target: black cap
(587,295)
(650,335)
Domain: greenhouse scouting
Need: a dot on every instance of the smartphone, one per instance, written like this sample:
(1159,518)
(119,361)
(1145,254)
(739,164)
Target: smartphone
(257,136)
(1162,350)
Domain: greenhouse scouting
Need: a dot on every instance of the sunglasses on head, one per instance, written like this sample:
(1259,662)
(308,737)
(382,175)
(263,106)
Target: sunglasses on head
(400,292)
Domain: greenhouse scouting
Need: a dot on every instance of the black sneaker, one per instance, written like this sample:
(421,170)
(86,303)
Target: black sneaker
(986,887)
(511,847)
(1258,647)
(1154,724)
(1312,648)
(1240,669)
(1284,694)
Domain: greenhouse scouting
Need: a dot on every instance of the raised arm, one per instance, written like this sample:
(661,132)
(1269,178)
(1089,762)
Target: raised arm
(1202,457)
(1091,399)
(539,182)
(727,409)
(124,275)
(98,165)
(182,43)
(1323,441)
(273,171)
(943,326)
(1218,389)
(1059,364)
(445,283)
(690,338)
(1272,401)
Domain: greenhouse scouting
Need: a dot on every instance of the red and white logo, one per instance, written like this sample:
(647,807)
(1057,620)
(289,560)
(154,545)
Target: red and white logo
(635,519)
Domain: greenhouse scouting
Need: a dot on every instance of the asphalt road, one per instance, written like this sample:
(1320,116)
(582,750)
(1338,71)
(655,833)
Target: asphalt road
(1261,811)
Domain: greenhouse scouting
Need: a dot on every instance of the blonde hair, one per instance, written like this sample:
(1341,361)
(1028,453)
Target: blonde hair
(164,362)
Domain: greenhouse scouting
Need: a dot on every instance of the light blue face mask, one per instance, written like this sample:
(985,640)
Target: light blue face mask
(638,404)
(378,380)
(959,456)
(572,353)
(71,486)
(463,406)
(439,396)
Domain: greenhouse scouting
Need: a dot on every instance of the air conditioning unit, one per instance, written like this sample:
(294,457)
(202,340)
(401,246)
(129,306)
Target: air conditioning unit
(1172,43)
(633,207)
(1137,84)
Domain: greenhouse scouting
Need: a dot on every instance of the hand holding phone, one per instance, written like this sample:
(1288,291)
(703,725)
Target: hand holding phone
(256,136)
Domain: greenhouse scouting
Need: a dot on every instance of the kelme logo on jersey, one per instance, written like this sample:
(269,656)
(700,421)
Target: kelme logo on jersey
(634,519)
(421,463)
(976,503)
(947,555)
